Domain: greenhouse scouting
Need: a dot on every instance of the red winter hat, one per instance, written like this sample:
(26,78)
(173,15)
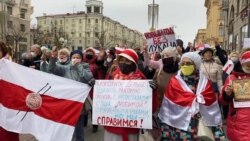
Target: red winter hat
(245,57)
(130,54)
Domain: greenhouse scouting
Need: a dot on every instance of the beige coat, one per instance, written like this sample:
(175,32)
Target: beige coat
(213,71)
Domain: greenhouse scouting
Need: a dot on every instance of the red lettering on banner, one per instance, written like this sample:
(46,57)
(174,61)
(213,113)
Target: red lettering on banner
(108,121)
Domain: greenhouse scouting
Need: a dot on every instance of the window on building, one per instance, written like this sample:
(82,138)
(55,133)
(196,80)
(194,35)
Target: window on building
(221,31)
(22,13)
(61,22)
(80,41)
(80,21)
(73,47)
(89,21)
(97,9)
(80,34)
(232,13)
(96,21)
(244,32)
(87,34)
(238,7)
(22,27)
(10,24)
(96,34)
(9,10)
(89,9)
(79,48)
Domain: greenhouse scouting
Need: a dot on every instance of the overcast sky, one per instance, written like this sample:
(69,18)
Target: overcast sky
(187,15)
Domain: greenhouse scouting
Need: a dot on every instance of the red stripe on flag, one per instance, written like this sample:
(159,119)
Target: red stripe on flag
(59,110)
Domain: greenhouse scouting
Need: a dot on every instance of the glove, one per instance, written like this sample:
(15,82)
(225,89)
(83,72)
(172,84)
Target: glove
(91,82)
(153,84)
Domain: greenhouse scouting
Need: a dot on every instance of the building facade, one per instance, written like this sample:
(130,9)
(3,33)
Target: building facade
(213,30)
(200,37)
(235,23)
(15,24)
(85,29)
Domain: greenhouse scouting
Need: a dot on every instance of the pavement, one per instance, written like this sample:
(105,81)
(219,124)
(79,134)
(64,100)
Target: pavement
(88,135)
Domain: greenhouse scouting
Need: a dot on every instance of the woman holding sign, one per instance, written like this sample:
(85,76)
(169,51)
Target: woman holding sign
(189,97)
(235,93)
(128,70)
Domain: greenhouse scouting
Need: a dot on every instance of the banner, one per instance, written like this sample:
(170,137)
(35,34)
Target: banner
(44,105)
(123,103)
(158,40)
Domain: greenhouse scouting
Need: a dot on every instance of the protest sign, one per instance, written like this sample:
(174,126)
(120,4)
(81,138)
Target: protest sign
(123,103)
(158,40)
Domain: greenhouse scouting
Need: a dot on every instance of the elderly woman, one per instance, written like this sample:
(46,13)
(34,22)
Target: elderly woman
(189,96)
(211,69)
(169,69)
(6,135)
(127,70)
(238,123)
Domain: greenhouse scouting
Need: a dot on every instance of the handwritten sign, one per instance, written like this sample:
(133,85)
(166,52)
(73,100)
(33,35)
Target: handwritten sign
(244,104)
(158,40)
(246,43)
(122,103)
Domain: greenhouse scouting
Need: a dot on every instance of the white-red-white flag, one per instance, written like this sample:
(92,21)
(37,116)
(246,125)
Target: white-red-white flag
(228,67)
(60,107)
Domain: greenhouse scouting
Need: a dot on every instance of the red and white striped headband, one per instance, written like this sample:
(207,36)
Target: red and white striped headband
(245,57)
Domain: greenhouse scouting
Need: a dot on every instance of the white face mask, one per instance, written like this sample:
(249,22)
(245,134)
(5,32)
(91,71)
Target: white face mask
(33,54)
(109,59)
(75,61)
(62,60)
(234,59)
(246,70)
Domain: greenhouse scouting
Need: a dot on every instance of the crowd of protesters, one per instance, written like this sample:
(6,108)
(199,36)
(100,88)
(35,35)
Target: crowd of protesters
(189,84)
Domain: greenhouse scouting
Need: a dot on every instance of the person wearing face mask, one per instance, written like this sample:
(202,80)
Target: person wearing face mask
(78,71)
(128,70)
(170,67)
(188,97)
(4,134)
(238,123)
(211,69)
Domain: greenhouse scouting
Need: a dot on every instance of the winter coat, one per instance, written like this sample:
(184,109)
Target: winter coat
(213,72)
(80,73)
(238,120)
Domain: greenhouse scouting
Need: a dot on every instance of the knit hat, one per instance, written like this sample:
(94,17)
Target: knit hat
(76,52)
(130,54)
(170,50)
(245,57)
(194,56)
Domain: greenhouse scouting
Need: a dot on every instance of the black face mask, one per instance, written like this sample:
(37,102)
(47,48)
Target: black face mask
(99,62)
(169,65)
(127,68)
(89,56)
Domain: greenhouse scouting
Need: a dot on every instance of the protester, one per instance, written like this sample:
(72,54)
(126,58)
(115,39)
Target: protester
(170,67)
(180,47)
(78,71)
(238,123)
(190,47)
(188,96)
(32,59)
(128,70)
(211,69)
(4,134)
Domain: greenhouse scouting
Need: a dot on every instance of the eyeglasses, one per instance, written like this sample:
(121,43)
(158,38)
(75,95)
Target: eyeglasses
(186,63)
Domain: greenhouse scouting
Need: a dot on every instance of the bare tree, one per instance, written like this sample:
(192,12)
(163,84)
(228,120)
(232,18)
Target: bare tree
(13,36)
(102,39)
